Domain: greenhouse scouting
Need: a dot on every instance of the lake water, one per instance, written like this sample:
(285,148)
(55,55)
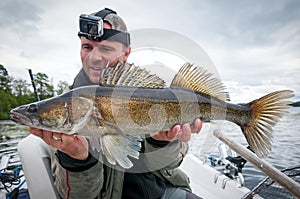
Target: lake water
(285,151)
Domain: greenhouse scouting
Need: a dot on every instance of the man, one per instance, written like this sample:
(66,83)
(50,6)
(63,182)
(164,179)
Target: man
(77,173)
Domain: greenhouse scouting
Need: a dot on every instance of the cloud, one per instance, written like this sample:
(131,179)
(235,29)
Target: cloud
(18,12)
(255,45)
(19,16)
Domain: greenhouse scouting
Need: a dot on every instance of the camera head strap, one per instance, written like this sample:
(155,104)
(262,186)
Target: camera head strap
(91,27)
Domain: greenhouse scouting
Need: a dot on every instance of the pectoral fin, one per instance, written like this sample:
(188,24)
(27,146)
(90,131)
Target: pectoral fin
(117,148)
(115,144)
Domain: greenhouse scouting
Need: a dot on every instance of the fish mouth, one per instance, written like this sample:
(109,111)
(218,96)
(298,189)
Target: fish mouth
(20,118)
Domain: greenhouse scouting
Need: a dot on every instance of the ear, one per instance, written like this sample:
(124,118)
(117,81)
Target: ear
(126,54)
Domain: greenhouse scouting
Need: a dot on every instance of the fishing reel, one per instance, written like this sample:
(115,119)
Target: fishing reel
(229,165)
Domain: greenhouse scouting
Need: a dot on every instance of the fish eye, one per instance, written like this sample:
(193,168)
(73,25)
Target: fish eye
(32,108)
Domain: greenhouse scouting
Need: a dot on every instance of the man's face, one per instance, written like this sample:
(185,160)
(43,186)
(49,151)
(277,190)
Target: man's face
(96,55)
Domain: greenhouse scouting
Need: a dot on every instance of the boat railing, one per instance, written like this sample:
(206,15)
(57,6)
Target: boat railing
(268,188)
(228,164)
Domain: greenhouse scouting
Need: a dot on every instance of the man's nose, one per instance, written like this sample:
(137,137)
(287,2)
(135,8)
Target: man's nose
(95,55)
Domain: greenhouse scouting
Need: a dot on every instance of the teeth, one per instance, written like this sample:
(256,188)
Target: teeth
(96,68)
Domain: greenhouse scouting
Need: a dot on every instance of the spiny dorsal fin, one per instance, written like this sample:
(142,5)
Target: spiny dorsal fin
(200,80)
(129,75)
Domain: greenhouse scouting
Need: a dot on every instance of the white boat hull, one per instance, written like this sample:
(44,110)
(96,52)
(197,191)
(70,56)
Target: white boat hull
(208,183)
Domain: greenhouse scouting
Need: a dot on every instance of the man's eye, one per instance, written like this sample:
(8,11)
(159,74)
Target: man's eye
(105,49)
(87,47)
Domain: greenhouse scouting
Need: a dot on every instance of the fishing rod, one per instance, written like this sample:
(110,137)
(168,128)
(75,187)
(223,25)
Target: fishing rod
(33,85)
(279,177)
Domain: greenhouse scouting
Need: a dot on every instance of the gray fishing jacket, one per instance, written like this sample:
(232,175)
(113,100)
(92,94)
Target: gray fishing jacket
(90,184)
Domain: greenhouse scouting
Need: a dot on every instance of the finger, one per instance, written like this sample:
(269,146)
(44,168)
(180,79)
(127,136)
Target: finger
(81,140)
(56,140)
(57,136)
(70,141)
(36,132)
(173,132)
(43,134)
(185,134)
(75,146)
(197,125)
(48,137)
(67,139)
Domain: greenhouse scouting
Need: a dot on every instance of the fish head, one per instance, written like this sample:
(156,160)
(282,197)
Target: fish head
(58,114)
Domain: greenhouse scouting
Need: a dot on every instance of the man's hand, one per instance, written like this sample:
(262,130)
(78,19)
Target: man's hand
(182,133)
(74,146)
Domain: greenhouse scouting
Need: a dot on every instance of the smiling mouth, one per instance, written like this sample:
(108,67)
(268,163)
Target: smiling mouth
(96,68)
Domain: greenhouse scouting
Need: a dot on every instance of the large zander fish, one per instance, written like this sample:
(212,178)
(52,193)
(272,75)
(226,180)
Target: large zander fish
(130,102)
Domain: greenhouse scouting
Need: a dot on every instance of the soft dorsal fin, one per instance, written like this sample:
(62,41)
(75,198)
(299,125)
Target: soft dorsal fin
(129,75)
(200,80)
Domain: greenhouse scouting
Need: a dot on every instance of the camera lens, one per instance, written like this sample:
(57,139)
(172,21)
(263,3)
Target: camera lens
(92,29)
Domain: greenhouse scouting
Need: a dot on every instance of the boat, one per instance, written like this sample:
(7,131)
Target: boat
(29,164)
(212,179)
(208,182)
(12,179)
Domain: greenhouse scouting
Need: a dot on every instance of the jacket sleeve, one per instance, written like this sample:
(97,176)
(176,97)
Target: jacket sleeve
(164,158)
(75,184)
(164,155)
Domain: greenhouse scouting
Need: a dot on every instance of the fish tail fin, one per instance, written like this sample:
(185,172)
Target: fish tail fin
(117,147)
(265,112)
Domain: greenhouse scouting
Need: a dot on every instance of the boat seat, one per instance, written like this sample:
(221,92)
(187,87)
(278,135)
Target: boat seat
(35,157)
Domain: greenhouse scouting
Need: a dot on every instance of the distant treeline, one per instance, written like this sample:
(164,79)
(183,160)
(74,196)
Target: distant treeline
(15,92)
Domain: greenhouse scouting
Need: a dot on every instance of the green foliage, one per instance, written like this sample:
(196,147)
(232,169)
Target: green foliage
(62,86)
(15,92)
(8,101)
(44,89)
(5,79)
(21,87)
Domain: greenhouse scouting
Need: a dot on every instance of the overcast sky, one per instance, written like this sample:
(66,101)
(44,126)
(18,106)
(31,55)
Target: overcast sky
(255,45)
